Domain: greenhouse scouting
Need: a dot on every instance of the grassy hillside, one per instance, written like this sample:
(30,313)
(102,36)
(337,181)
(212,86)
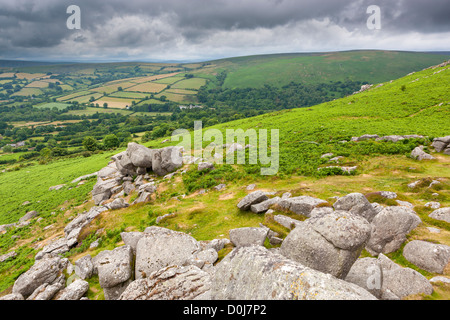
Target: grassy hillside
(415,104)
(279,70)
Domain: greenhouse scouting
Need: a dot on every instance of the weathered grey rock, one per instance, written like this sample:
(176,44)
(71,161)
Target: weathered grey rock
(368,274)
(73,228)
(316,212)
(139,155)
(170,283)
(166,160)
(302,205)
(74,291)
(56,247)
(7,256)
(442,214)
(440,144)
(405,204)
(358,204)
(128,187)
(143,197)
(6,227)
(219,187)
(243,237)
(420,155)
(148,187)
(327,155)
(286,221)
(388,194)
(216,244)
(114,268)
(28,216)
(55,188)
(440,279)
(84,267)
(12,296)
(131,239)
(118,203)
(329,243)
(251,187)
(255,273)
(86,176)
(108,172)
(389,229)
(265,205)
(433,205)
(366,137)
(427,256)
(160,247)
(102,190)
(252,198)
(205,166)
(235,147)
(125,165)
(43,271)
(402,282)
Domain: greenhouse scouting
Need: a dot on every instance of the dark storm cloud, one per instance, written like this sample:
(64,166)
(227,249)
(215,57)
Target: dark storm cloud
(134,27)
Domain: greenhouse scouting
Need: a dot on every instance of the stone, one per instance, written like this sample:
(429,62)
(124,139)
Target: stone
(143,197)
(405,204)
(389,229)
(440,144)
(286,221)
(167,160)
(302,205)
(12,296)
(427,256)
(388,194)
(220,187)
(255,273)
(73,228)
(118,203)
(235,147)
(243,237)
(205,166)
(251,187)
(251,199)
(7,256)
(139,155)
(368,274)
(326,155)
(102,190)
(316,212)
(55,188)
(265,205)
(131,239)
(329,243)
(402,282)
(28,216)
(74,291)
(433,205)
(46,291)
(440,279)
(114,268)
(420,155)
(434,230)
(216,244)
(356,203)
(442,214)
(160,248)
(56,247)
(43,271)
(84,267)
(171,283)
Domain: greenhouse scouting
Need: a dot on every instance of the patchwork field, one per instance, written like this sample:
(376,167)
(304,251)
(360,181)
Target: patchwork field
(115,102)
(148,87)
(194,83)
(52,105)
(28,92)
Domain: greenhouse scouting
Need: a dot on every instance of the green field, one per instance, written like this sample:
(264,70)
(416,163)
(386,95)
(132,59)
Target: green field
(279,70)
(194,84)
(52,105)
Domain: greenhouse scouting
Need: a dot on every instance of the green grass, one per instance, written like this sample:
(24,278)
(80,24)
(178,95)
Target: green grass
(51,105)
(279,70)
(34,182)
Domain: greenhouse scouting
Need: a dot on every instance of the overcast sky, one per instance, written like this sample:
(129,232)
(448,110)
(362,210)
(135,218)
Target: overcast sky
(184,30)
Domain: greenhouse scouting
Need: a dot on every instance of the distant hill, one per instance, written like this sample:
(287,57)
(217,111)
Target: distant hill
(21,63)
(313,68)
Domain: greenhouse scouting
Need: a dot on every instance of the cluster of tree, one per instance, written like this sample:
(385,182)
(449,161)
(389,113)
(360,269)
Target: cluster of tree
(271,98)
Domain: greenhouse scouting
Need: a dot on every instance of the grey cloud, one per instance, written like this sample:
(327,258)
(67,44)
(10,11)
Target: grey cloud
(138,25)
